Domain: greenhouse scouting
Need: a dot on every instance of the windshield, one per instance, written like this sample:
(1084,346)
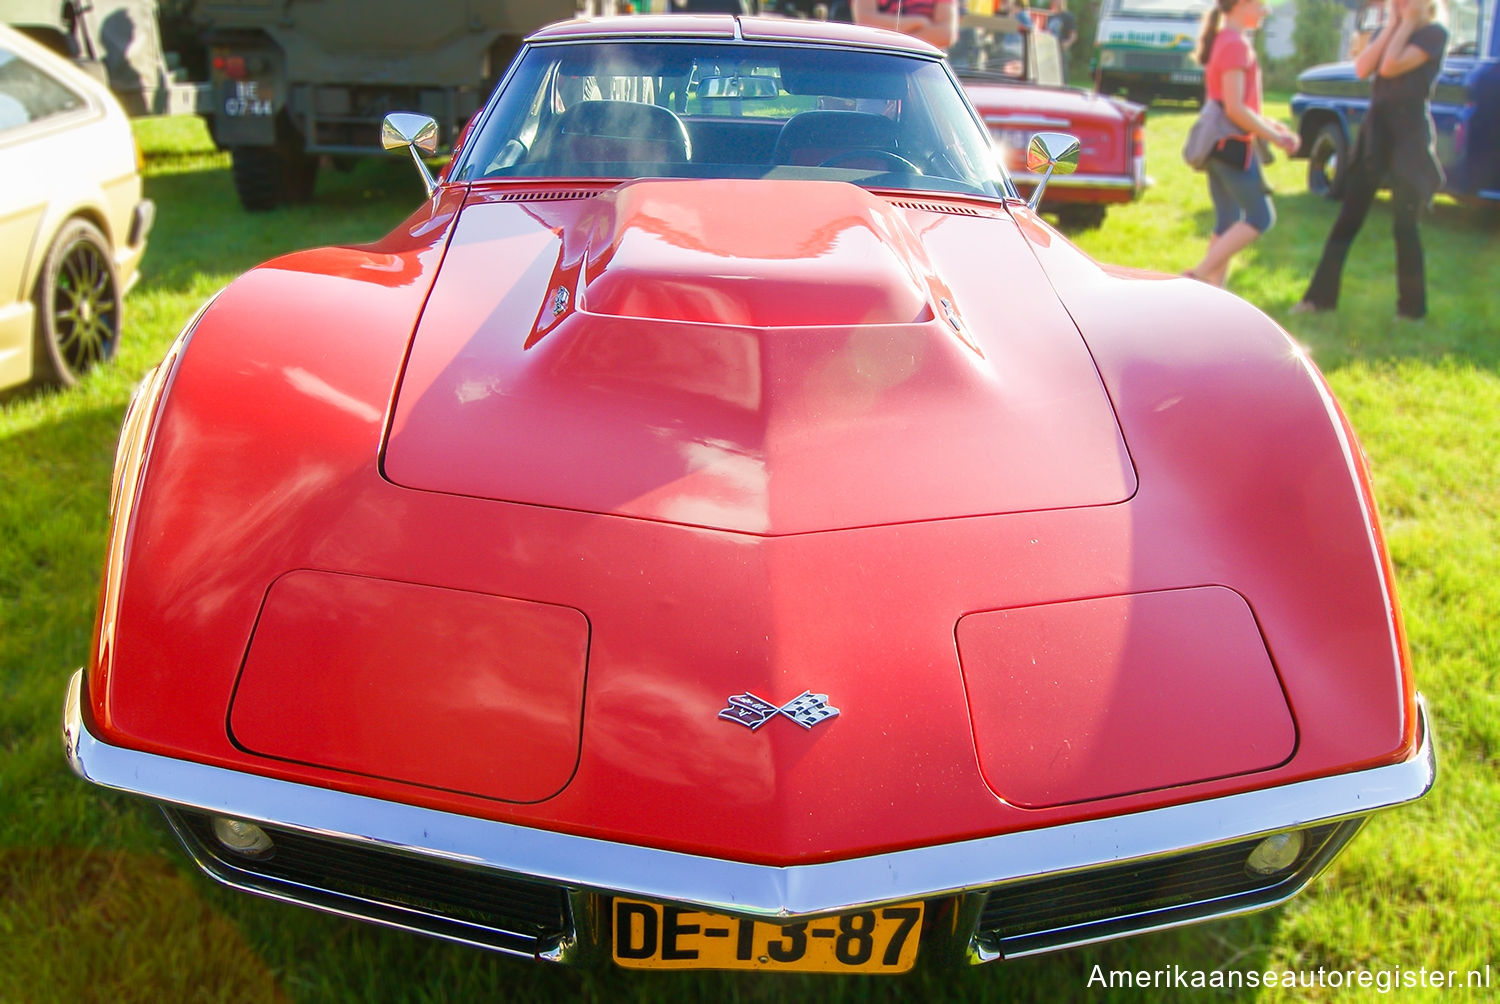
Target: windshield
(651,108)
(1180,9)
(983,52)
(1464,23)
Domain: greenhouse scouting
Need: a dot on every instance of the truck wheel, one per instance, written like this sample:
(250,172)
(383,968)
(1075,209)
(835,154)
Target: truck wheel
(267,176)
(1326,161)
(300,171)
(257,177)
(77,306)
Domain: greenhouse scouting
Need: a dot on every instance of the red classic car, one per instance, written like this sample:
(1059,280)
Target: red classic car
(725,527)
(1014,77)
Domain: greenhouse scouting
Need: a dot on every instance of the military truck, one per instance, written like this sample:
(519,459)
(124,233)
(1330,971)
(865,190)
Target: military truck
(119,42)
(291,80)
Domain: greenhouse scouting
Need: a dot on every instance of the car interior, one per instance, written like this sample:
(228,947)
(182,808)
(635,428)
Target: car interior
(652,109)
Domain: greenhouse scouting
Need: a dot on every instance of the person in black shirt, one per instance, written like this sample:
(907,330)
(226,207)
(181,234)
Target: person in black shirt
(1064,26)
(1396,138)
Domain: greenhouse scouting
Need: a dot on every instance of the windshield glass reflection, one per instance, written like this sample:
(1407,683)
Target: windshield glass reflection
(631,109)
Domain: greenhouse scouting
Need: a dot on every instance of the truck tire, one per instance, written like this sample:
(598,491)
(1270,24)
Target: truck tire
(299,174)
(257,177)
(1327,159)
(268,176)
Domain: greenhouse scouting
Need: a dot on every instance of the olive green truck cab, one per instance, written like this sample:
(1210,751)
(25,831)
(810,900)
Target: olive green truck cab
(291,80)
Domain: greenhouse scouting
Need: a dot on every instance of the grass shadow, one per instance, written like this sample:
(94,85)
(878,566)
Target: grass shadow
(201,229)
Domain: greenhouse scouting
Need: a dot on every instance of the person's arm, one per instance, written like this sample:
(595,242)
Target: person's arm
(868,12)
(941,30)
(1244,118)
(1368,60)
(1401,54)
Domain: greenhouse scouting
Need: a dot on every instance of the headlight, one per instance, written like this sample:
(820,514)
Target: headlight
(1276,853)
(245,839)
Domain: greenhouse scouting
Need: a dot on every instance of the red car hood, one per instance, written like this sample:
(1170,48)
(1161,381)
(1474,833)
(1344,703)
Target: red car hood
(642,352)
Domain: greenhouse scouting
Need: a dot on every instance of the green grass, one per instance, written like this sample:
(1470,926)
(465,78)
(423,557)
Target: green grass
(97,902)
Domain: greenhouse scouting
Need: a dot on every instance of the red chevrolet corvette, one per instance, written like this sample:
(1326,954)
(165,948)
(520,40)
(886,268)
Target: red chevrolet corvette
(724,527)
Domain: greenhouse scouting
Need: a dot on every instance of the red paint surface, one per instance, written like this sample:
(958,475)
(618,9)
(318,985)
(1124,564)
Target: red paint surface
(832,393)
(1109,696)
(265,459)
(436,687)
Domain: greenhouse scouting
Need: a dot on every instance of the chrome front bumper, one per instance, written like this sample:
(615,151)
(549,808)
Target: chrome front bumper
(584,865)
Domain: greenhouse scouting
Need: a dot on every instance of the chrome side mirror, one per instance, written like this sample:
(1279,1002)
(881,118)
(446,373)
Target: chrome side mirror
(1057,152)
(414,132)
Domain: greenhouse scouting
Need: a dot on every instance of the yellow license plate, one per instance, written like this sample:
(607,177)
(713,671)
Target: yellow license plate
(881,939)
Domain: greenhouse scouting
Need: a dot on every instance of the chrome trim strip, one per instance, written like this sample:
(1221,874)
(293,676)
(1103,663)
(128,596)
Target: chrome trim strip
(734,886)
(1026,119)
(585,944)
(1123,182)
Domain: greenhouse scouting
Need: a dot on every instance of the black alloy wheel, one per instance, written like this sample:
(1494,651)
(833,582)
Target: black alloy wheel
(77,305)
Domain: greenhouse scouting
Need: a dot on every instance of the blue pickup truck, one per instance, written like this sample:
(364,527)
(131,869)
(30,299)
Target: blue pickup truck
(1331,102)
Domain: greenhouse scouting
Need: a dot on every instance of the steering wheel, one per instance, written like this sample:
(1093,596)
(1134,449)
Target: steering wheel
(894,161)
(941,165)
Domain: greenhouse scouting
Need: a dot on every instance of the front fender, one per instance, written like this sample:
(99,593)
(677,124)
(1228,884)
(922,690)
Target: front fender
(1204,382)
(310,340)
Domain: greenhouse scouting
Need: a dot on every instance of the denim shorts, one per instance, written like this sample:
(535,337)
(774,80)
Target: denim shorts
(1239,195)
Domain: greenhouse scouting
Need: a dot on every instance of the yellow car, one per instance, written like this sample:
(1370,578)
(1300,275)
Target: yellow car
(73,224)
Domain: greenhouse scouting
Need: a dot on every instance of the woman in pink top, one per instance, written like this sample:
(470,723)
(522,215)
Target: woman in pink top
(1231,76)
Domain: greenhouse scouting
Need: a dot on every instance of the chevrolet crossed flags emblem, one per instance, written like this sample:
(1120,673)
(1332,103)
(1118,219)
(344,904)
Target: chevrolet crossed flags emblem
(752,712)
